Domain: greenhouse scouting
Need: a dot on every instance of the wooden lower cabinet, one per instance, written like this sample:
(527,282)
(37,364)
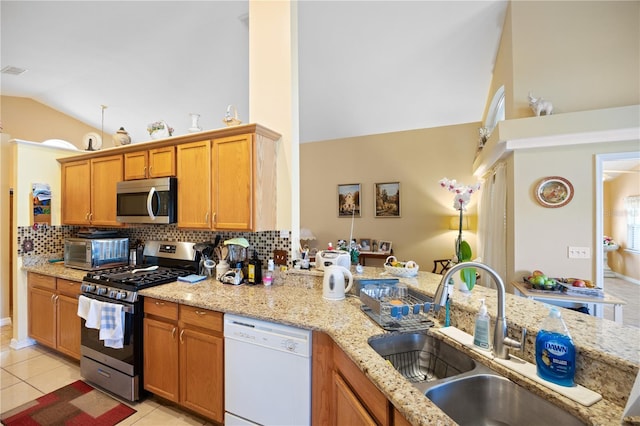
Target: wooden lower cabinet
(161,358)
(42,316)
(183,356)
(349,411)
(53,313)
(201,373)
(342,394)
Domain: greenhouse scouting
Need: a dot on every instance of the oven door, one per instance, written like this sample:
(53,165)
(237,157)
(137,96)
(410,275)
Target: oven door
(128,359)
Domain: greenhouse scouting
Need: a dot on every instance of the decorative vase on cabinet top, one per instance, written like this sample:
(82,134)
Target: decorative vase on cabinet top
(121,137)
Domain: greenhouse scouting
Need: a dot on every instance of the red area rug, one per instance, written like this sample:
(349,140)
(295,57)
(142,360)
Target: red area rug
(75,404)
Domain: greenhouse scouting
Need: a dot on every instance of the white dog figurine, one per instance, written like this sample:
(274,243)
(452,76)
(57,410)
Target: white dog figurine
(540,105)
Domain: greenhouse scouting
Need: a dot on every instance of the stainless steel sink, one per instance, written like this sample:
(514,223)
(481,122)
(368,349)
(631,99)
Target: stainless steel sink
(488,399)
(421,358)
(469,392)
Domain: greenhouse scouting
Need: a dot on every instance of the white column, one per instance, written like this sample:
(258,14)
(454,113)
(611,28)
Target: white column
(273,96)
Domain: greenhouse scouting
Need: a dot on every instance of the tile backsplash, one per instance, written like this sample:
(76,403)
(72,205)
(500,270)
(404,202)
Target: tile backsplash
(49,240)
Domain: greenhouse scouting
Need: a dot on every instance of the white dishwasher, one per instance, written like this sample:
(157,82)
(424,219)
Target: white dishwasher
(267,372)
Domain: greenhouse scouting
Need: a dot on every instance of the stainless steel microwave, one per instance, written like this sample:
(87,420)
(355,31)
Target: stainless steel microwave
(95,253)
(147,200)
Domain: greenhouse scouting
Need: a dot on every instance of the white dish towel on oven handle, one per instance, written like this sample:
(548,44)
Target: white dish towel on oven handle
(90,310)
(84,306)
(111,330)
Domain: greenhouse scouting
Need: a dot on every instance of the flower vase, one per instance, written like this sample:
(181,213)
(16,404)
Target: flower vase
(159,134)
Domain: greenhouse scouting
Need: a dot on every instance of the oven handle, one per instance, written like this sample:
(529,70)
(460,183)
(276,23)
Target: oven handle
(152,192)
(126,308)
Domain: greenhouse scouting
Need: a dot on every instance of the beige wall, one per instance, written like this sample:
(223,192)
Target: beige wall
(580,55)
(621,261)
(417,159)
(541,236)
(26,119)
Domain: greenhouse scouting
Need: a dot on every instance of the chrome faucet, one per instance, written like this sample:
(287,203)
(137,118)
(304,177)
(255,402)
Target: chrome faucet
(501,341)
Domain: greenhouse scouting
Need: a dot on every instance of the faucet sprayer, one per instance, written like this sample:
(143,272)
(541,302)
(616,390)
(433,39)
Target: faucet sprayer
(501,341)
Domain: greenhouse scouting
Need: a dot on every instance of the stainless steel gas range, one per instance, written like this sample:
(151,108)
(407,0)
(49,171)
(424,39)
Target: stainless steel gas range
(120,370)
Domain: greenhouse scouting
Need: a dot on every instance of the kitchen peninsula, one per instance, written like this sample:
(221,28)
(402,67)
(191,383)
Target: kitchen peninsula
(607,362)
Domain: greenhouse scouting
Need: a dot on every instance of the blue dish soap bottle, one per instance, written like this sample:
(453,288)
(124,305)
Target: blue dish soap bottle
(555,351)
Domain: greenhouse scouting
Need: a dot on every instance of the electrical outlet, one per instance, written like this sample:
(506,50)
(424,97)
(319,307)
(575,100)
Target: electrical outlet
(579,252)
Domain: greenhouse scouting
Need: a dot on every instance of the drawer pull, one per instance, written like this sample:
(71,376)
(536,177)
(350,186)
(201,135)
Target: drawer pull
(104,373)
(201,313)
(159,303)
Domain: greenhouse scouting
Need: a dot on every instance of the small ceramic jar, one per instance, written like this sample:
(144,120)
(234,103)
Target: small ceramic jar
(121,137)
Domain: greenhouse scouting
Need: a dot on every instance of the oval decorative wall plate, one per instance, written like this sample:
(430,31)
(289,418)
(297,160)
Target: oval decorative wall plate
(553,191)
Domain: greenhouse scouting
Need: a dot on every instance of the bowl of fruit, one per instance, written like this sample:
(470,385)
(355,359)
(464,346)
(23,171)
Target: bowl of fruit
(401,269)
(539,281)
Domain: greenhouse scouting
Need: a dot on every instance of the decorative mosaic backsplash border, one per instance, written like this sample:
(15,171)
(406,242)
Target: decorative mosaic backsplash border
(48,241)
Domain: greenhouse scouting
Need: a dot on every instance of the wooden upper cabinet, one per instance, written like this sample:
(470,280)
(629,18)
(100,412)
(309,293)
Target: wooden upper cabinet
(76,192)
(89,191)
(154,163)
(106,172)
(226,179)
(162,162)
(233,183)
(194,184)
(135,165)
(244,183)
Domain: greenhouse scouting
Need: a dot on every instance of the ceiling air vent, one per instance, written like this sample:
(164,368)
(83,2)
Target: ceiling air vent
(12,70)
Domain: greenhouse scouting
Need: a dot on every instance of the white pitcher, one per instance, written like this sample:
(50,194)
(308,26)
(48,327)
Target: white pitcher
(333,284)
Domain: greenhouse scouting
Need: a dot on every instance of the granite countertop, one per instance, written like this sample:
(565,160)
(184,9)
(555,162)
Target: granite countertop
(608,353)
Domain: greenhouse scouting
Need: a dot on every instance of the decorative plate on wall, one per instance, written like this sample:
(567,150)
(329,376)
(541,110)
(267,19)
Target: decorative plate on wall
(554,191)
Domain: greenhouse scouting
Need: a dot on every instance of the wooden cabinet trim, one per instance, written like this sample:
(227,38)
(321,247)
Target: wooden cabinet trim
(41,281)
(207,319)
(161,308)
(68,287)
(178,140)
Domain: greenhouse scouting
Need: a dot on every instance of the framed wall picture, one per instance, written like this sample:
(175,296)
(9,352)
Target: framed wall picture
(384,247)
(387,199)
(365,244)
(349,200)
(554,191)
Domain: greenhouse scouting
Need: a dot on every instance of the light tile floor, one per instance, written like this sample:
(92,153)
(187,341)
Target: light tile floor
(31,372)
(630,293)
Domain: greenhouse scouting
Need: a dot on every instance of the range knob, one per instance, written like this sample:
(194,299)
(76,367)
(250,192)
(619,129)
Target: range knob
(101,291)
(87,288)
(121,295)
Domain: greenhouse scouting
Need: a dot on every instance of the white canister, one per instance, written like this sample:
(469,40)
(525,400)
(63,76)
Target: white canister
(221,268)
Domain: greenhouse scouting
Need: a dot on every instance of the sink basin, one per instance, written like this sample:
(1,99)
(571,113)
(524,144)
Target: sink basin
(487,399)
(421,358)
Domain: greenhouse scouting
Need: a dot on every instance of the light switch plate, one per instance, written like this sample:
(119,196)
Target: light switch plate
(579,252)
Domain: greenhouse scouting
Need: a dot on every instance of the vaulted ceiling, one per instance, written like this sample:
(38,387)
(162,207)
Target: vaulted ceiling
(365,67)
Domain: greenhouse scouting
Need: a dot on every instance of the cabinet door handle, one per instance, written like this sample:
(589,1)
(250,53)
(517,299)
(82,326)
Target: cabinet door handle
(86,216)
(173,333)
(206,217)
(213,218)
(145,171)
(53,297)
(90,217)
(181,334)
(150,170)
